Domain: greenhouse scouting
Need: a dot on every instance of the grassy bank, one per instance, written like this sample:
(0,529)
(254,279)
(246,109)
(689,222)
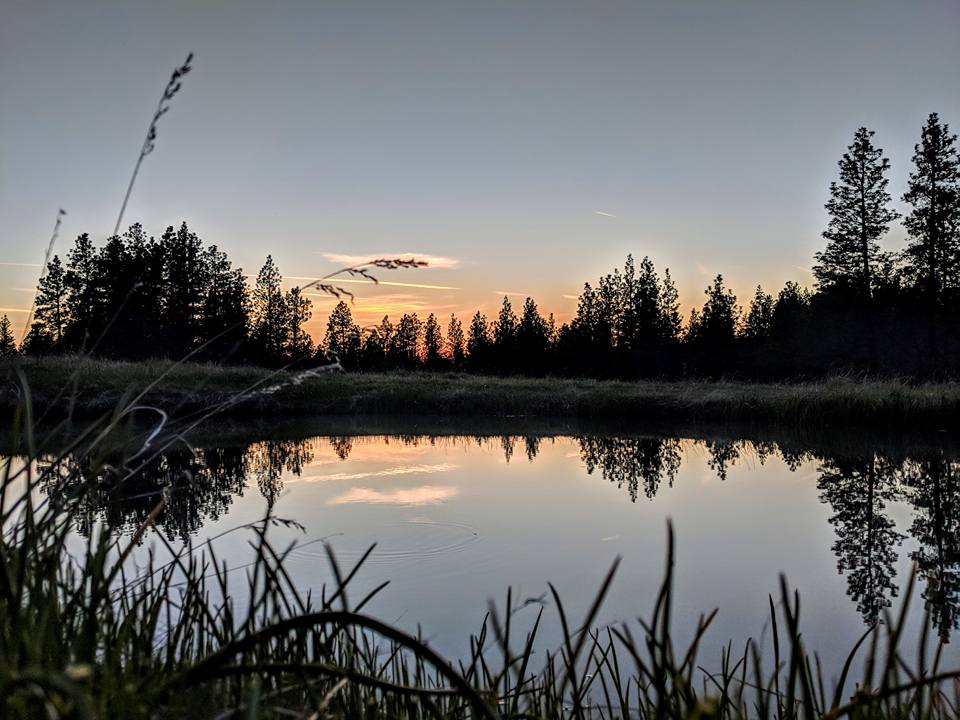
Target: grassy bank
(83,387)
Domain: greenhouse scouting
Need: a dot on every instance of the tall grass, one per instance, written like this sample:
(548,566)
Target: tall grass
(118,625)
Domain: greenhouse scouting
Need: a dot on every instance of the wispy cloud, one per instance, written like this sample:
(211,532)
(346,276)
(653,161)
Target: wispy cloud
(13,264)
(423,495)
(801,268)
(433,261)
(14,310)
(605,214)
(512,294)
(570,297)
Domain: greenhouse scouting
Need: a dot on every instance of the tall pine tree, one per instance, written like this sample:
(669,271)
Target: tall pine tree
(859,216)
(933,253)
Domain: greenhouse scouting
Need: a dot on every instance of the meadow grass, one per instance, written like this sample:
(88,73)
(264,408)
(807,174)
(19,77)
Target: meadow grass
(85,386)
(102,627)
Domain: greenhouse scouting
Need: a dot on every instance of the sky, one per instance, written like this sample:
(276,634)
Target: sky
(519,147)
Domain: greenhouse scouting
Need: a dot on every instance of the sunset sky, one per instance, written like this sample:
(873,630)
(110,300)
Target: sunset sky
(520,147)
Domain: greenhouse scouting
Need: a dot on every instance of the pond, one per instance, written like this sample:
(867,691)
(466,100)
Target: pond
(457,518)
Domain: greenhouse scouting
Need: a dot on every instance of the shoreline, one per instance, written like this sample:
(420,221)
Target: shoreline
(80,387)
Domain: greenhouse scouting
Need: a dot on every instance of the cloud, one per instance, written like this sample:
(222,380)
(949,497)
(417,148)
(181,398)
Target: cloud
(13,264)
(433,261)
(801,268)
(514,294)
(605,214)
(423,495)
(570,297)
(17,310)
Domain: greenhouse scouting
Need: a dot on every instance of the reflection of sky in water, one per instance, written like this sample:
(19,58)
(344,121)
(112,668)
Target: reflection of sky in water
(456,523)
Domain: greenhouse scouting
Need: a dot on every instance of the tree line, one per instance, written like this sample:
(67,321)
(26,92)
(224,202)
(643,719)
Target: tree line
(139,297)
(871,311)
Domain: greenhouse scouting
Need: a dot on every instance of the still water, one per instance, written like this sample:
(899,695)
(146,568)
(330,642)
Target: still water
(459,518)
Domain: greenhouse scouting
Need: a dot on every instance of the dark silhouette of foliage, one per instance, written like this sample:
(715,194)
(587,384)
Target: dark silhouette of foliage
(270,333)
(456,343)
(8,344)
(342,339)
(50,312)
(932,256)
(859,216)
(432,344)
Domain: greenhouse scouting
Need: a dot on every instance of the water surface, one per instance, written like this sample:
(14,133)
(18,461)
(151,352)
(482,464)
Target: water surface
(459,518)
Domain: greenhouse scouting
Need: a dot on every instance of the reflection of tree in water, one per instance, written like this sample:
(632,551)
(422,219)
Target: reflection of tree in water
(267,462)
(935,483)
(632,462)
(723,456)
(195,487)
(858,491)
(342,445)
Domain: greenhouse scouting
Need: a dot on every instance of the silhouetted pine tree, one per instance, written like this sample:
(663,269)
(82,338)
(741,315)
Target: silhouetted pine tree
(270,327)
(225,315)
(50,314)
(859,217)
(342,338)
(432,344)
(759,320)
(456,344)
(299,311)
(933,253)
(532,341)
(183,290)
(504,337)
(8,345)
(717,322)
(406,340)
(479,344)
(84,309)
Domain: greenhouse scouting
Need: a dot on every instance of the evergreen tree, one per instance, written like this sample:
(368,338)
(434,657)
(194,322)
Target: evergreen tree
(50,314)
(791,306)
(8,346)
(342,339)
(859,217)
(85,319)
(432,343)
(504,337)
(532,340)
(406,341)
(933,225)
(456,347)
(270,324)
(145,264)
(717,322)
(479,344)
(299,312)
(759,320)
(225,316)
(183,289)
(670,309)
